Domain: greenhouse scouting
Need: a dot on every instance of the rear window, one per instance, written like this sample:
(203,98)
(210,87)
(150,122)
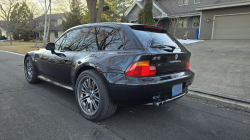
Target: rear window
(154,39)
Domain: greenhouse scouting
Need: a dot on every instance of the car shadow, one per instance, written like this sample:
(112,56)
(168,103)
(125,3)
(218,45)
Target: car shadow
(67,97)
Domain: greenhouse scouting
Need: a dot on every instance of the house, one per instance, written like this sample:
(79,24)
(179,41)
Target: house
(215,19)
(4,29)
(56,29)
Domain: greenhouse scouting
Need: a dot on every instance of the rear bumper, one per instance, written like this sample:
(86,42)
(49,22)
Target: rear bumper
(139,90)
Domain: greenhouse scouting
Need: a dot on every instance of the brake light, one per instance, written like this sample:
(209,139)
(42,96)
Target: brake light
(140,69)
(188,65)
(153,27)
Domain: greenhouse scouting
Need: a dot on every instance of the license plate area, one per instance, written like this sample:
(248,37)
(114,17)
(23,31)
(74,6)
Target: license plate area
(176,90)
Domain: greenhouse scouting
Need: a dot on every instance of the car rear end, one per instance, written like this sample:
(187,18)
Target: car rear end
(157,77)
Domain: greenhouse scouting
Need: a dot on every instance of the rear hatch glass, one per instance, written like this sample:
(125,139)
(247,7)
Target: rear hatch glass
(167,54)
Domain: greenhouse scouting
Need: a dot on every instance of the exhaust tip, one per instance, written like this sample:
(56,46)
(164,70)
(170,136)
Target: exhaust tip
(163,102)
(158,104)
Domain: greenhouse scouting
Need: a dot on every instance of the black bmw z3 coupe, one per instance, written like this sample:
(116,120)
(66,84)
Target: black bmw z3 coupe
(111,64)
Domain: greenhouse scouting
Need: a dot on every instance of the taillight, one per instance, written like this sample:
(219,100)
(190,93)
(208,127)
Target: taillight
(188,65)
(141,68)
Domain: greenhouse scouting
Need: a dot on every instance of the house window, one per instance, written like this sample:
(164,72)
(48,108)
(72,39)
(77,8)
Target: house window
(197,1)
(196,22)
(183,23)
(40,24)
(183,2)
(52,23)
(56,34)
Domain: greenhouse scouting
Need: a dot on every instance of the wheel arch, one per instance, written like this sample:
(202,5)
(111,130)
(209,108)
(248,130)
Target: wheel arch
(31,54)
(84,67)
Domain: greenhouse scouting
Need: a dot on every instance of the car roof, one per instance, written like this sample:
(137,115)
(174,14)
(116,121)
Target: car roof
(107,24)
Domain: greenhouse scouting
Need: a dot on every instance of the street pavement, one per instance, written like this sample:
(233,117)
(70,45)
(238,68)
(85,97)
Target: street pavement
(45,111)
(222,66)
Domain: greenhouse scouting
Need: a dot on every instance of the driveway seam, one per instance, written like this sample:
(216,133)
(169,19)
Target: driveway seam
(229,97)
(212,114)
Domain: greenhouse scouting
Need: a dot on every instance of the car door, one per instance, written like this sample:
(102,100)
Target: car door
(58,65)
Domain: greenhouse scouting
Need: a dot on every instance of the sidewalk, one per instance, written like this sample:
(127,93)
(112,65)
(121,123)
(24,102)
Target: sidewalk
(222,67)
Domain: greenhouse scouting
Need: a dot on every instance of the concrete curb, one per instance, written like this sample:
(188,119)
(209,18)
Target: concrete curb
(229,97)
(16,53)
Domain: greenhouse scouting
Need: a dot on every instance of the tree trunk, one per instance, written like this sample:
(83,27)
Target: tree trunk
(92,10)
(10,37)
(99,13)
(45,26)
(175,22)
(48,29)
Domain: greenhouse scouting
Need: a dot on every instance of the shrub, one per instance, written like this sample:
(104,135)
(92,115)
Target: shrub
(3,38)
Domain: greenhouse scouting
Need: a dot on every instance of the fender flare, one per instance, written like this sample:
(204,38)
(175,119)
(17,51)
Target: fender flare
(82,67)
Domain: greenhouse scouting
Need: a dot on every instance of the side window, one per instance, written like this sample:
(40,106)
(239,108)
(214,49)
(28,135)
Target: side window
(66,42)
(99,38)
(59,42)
(108,38)
(90,39)
(84,40)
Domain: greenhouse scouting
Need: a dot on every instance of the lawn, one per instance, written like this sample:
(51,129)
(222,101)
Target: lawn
(19,49)
(7,43)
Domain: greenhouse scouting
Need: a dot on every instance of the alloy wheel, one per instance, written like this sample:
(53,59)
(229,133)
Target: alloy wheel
(29,70)
(88,95)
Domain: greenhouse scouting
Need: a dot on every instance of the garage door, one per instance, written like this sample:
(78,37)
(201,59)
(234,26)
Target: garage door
(232,27)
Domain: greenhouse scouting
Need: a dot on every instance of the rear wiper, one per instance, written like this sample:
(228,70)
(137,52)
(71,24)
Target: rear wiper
(164,47)
(157,46)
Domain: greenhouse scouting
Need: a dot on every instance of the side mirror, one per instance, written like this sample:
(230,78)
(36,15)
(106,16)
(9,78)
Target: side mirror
(50,46)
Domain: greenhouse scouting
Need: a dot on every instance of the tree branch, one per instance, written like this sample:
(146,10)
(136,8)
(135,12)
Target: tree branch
(96,38)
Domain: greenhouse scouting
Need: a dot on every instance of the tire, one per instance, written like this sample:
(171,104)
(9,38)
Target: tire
(92,96)
(29,71)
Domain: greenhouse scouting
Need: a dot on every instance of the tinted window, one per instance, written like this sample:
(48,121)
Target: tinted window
(154,39)
(82,41)
(59,42)
(99,38)
(67,41)
(91,39)
(106,38)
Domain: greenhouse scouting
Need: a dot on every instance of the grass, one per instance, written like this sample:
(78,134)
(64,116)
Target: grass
(19,49)
(7,43)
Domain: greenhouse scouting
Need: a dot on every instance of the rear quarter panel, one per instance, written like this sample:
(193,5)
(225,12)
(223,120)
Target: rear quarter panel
(106,61)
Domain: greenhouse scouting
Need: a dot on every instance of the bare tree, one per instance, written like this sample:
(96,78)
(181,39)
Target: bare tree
(34,8)
(93,16)
(6,7)
(158,21)
(175,22)
(46,24)
(174,15)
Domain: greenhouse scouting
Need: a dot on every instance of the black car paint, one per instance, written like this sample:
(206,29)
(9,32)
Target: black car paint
(112,65)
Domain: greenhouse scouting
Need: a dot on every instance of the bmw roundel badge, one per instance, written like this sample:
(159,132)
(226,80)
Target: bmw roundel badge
(176,56)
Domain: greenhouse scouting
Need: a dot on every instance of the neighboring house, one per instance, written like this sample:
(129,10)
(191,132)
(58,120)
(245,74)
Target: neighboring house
(4,28)
(56,29)
(215,19)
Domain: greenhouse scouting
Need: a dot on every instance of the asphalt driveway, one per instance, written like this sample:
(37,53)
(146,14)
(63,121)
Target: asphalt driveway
(48,112)
(222,66)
